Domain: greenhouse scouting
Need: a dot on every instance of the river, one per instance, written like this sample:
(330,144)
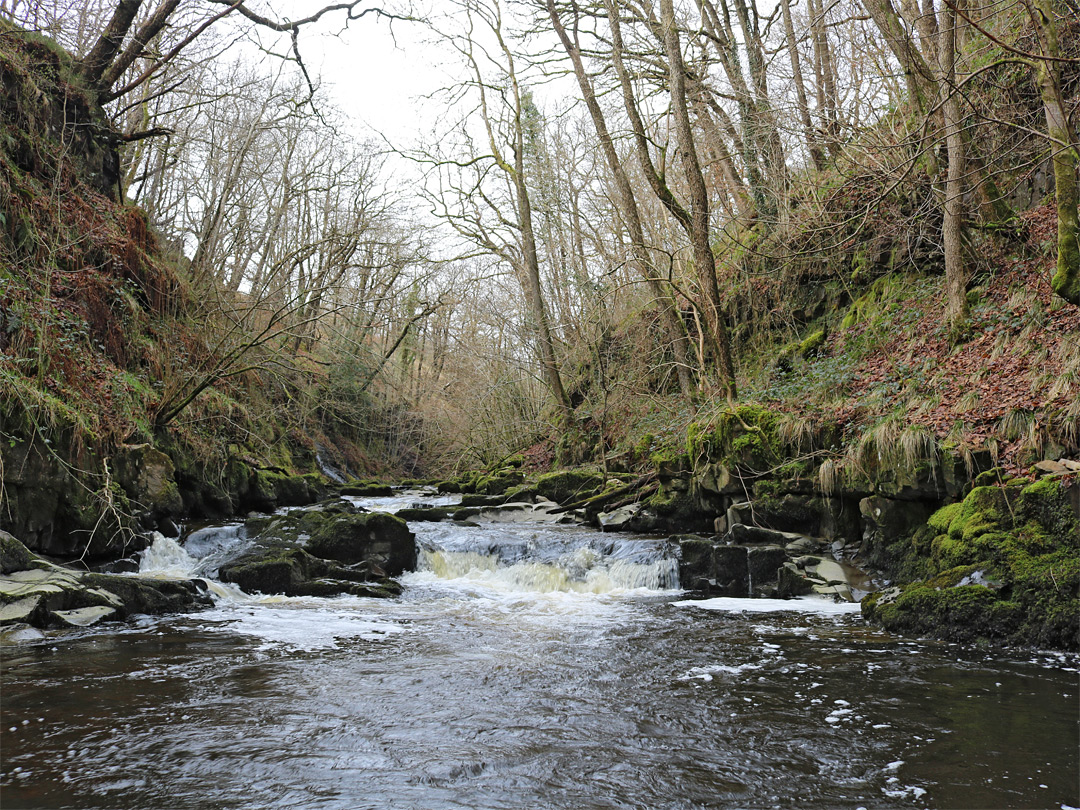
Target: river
(527,666)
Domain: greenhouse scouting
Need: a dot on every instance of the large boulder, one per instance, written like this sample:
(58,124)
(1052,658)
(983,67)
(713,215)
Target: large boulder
(333,547)
(295,572)
(376,537)
(569,486)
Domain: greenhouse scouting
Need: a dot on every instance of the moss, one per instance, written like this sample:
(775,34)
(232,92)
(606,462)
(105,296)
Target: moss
(567,486)
(1024,542)
(498,483)
(985,509)
(1047,503)
(813,342)
(941,519)
(746,436)
(952,577)
(960,613)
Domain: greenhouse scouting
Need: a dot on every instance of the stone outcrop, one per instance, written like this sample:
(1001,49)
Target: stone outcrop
(334,547)
(752,561)
(36,592)
(1001,565)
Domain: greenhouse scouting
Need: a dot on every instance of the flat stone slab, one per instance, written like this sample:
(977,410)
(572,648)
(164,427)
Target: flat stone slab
(15,590)
(84,617)
(830,571)
(19,611)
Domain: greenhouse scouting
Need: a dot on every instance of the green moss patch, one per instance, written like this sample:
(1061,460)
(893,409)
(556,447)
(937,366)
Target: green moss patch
(1003,565)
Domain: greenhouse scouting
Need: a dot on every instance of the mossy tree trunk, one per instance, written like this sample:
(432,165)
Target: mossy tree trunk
(1066,152)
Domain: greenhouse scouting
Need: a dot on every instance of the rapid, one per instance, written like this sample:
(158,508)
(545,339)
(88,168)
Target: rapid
(529,664)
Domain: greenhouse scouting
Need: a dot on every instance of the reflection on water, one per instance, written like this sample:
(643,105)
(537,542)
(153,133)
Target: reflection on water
(477,690)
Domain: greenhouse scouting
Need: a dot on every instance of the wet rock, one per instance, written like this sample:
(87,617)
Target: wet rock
(840,591)
(748,535)
(791,582)
(14,556)
(84,617)
(149,479)
(327,586)
(487,500)
(618,519)
(27,610)
(695,558)
(828,571)
(763,564)
(803,545)
(374,537)
(730,571)
(48,595)
(885,521)
(424,513)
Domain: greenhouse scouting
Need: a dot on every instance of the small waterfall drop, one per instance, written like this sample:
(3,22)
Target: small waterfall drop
(545,559)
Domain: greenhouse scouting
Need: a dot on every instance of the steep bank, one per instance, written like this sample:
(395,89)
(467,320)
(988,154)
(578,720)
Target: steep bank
(133,395)
(945,543)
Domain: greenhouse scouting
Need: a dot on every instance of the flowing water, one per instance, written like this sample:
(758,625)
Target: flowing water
(528,665)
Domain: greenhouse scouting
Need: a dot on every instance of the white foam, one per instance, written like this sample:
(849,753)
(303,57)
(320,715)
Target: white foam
(296,626)
(806,604)
(583,571)
(166,558)
(706,673)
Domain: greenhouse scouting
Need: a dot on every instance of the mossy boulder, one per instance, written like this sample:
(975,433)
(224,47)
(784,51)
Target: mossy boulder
(282,571)
(425,513)
(961,613)
(1004,564)
(376,537)
(569,486)
(745,437)
(14,556)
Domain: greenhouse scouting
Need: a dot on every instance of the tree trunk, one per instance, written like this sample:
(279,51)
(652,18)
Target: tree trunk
(93,66)
(704,260)
(952,227)
(673,324)
(1066,150)
(534,296)
(812,145)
